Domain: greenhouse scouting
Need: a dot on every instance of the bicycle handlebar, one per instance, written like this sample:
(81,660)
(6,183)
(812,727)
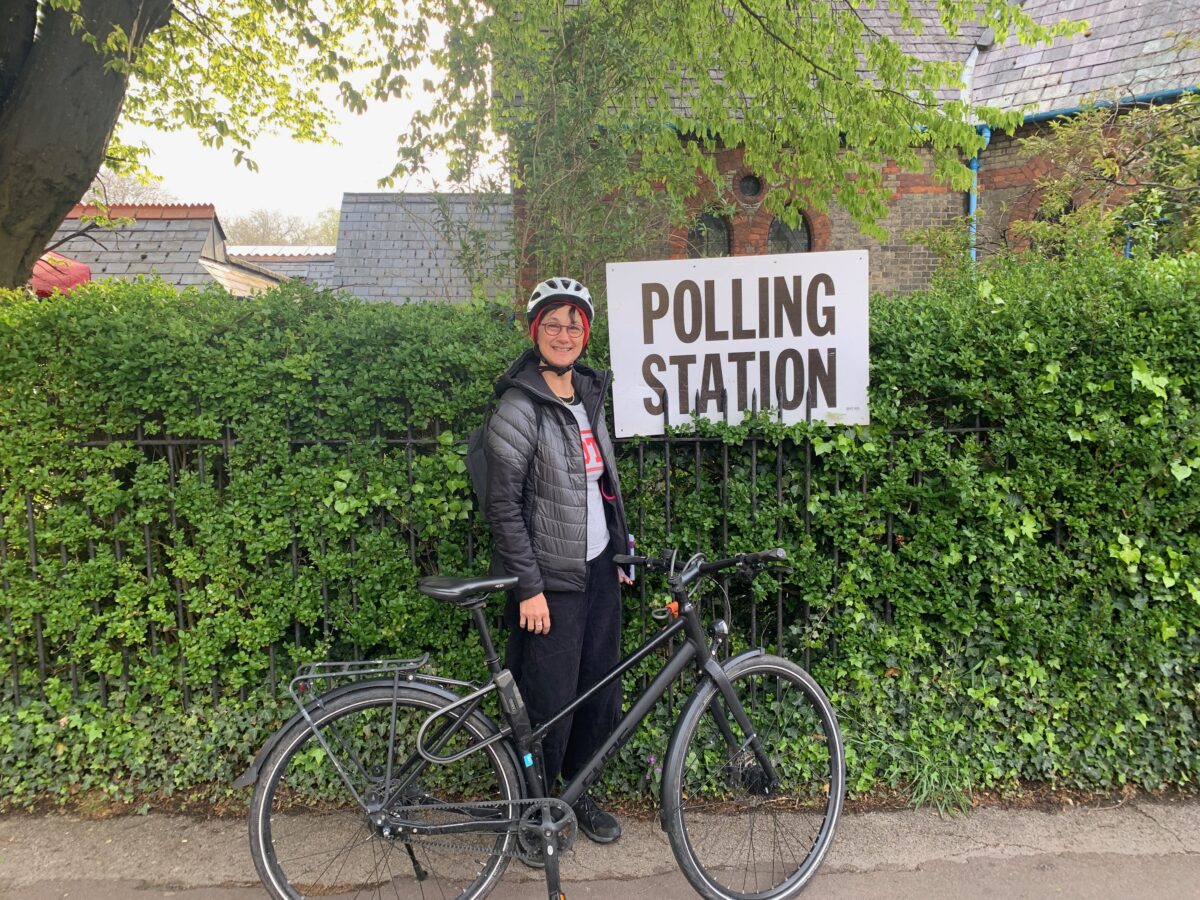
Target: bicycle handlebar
(665,562)
(762,557)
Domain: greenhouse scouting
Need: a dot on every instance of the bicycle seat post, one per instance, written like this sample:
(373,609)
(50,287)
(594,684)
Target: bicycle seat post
(485,635)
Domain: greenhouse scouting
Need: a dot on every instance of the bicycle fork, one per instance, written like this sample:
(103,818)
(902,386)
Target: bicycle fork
(734,705)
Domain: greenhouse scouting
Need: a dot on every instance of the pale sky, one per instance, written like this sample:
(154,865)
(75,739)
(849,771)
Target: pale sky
(293,177)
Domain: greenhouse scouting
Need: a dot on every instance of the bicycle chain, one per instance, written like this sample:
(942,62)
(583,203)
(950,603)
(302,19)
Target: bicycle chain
(417,840)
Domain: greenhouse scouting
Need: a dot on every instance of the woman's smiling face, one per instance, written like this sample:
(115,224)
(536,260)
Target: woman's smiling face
(563,348)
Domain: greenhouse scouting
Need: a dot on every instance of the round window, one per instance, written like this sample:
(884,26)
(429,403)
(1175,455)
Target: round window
(750,186)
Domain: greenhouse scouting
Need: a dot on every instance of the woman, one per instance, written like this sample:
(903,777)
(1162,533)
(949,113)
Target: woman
(556,516)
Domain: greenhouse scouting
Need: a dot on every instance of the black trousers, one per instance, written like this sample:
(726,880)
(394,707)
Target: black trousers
(553,669)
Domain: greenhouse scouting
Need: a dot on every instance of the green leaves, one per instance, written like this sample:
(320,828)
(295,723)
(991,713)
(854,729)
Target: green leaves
(998,581)
(626,101)
(1142,377)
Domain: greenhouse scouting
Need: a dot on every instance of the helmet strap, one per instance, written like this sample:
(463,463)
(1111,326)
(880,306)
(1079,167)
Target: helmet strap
(544,366)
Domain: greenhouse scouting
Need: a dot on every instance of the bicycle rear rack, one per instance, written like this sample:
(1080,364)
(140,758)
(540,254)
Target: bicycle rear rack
(316,678)
(359,668)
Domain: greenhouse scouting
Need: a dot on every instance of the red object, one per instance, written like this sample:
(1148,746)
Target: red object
(53,271)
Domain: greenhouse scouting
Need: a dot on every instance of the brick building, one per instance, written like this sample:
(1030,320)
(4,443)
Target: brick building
(450,247)
(1134,50)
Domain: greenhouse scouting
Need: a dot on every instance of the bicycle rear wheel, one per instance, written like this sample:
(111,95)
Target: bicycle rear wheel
(736,835)
(309,836)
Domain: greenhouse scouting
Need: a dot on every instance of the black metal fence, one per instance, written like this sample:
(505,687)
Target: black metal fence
(775,479)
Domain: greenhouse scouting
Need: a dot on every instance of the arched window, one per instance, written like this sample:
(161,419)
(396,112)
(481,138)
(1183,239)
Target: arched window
(709,237)
(782,239)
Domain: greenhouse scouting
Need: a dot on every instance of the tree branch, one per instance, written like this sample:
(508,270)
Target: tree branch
(57,122)
(766,29)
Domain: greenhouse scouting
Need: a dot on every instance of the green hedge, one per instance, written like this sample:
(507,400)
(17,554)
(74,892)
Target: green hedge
(1015,603)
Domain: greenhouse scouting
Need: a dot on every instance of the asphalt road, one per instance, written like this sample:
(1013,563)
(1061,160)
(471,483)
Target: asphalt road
(1139,849)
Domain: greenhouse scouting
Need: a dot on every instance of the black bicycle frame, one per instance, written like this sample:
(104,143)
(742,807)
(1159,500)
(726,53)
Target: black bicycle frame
(694,651)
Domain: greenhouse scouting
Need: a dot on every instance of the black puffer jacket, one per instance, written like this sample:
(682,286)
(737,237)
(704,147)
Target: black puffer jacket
(536,484)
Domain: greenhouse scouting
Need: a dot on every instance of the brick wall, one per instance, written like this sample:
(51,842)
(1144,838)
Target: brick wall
(1007,188)
(405,247)
(897,266)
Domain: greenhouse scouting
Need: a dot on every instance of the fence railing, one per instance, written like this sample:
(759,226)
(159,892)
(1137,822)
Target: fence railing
(671,482)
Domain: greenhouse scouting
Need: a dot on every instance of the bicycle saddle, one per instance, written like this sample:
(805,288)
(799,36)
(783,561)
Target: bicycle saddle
(464,591)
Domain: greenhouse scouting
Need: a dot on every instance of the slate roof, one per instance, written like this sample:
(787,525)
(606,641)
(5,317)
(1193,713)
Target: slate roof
(933,44)
(182,243)
(402,247)
(1129,51)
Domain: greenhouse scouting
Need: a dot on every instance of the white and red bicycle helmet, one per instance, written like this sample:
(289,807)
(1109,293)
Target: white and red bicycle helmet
(554,292)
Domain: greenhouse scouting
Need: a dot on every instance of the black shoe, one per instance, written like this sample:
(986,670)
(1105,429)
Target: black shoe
(598,825)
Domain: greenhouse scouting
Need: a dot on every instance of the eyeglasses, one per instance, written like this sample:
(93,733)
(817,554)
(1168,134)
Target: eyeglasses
(553,329)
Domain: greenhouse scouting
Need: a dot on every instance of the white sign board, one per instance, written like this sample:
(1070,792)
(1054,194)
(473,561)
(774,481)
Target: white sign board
(787,331)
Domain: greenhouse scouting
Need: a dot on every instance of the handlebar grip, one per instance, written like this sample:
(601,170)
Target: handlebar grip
(778,553)
(624,559)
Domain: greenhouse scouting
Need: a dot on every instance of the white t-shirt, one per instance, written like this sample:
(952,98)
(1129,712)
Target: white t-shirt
(593,465)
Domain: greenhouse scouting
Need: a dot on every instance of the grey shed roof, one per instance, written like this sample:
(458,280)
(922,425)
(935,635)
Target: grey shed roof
(182,243)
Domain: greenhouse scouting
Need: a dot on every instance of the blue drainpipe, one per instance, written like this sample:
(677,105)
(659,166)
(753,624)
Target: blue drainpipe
(973,197)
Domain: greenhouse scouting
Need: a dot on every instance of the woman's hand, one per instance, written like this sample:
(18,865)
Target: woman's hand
(535,614)
(622,577)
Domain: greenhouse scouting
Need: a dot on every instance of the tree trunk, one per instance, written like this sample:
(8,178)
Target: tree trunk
(56,119)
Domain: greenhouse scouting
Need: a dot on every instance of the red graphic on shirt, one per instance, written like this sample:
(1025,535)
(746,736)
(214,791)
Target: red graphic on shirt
(592,462)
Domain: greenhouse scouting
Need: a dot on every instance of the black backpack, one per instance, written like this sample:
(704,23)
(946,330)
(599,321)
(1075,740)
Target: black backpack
(477,453)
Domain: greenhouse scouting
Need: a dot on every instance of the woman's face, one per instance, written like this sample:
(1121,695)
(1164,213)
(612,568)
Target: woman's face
(563,348)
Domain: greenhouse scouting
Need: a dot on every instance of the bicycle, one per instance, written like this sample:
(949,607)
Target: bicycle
(398,784)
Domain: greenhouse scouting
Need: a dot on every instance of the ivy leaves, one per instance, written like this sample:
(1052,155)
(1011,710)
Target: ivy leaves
(998,580)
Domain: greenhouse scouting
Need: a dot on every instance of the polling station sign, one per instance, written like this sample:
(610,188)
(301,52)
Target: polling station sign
(787,331)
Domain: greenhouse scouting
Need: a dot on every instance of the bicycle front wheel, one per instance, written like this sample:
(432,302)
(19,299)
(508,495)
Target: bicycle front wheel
(310,836)
(738,830)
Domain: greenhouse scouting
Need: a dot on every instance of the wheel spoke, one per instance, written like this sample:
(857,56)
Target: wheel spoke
(310,838)
(736,835)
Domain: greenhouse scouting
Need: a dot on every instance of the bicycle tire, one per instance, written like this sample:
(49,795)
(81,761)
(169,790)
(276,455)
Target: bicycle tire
(734,836)
(310,837)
